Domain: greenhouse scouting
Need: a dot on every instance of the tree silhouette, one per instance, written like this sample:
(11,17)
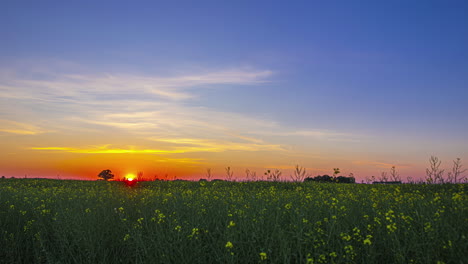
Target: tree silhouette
(434,174)
(106,175)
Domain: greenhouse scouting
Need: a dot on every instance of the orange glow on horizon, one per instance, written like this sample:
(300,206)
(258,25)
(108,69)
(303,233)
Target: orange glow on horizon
(130,177)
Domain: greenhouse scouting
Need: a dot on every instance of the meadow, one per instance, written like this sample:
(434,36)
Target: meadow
(59,221)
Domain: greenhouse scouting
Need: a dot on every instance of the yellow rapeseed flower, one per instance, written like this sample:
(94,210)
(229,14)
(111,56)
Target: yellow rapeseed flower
(345,236)
(263,256)
(229,245)
(457,197)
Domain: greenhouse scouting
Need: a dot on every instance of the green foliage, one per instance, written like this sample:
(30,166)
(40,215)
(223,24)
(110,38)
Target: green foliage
(52,221)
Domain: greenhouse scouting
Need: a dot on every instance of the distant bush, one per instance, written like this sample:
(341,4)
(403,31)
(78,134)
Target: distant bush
(328,178)
(343,179)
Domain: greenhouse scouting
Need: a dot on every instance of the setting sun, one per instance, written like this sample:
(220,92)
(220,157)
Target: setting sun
(130,177)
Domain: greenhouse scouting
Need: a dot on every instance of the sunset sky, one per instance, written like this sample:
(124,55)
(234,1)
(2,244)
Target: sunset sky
(176,87)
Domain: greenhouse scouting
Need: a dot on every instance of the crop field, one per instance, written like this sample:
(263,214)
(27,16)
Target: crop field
(57,221)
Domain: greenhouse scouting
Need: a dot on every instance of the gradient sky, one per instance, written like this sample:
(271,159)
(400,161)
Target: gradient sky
(176,87)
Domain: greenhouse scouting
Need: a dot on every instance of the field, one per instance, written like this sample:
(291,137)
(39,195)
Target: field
(53,221)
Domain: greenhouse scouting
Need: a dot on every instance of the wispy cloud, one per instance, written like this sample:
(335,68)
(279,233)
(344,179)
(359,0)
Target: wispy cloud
(219,146)
(13,127)
(108,150)
(181,146)
(66,87)
(180,160)
(319,134)
(136,103)
(378,164)
(158,109)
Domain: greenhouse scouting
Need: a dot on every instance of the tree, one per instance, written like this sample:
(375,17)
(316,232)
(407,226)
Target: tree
(330,179)
(343,179)
(454,175)
(394,174)
(383,176)
(319,178)
(106,175)
(434,174)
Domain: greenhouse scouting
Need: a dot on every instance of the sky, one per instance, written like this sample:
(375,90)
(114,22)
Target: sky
(173,88)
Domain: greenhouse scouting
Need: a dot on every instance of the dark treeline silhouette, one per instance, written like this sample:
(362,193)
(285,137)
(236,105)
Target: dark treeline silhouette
(328,178)
(386,182)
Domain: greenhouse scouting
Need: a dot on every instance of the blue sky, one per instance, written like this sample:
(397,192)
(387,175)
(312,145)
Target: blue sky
(381,81)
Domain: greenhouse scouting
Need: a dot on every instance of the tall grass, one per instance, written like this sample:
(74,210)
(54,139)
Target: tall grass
(52,221)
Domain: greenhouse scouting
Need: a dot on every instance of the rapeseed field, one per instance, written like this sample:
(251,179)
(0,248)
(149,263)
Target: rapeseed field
(58,221)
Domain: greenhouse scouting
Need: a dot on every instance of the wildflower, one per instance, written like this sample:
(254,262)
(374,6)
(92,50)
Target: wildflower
(229,245)
(356,231)
(38,236)
(349,249)
(392,227)
(178,228)
(333,254)
(457,197)
(195,233)
(126,237)
(427,227)
(288,206)
(28,225)
(263,256)
(231,224)
(367,241)
(345,236)
(161,217)
(45,211)
(87,210)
